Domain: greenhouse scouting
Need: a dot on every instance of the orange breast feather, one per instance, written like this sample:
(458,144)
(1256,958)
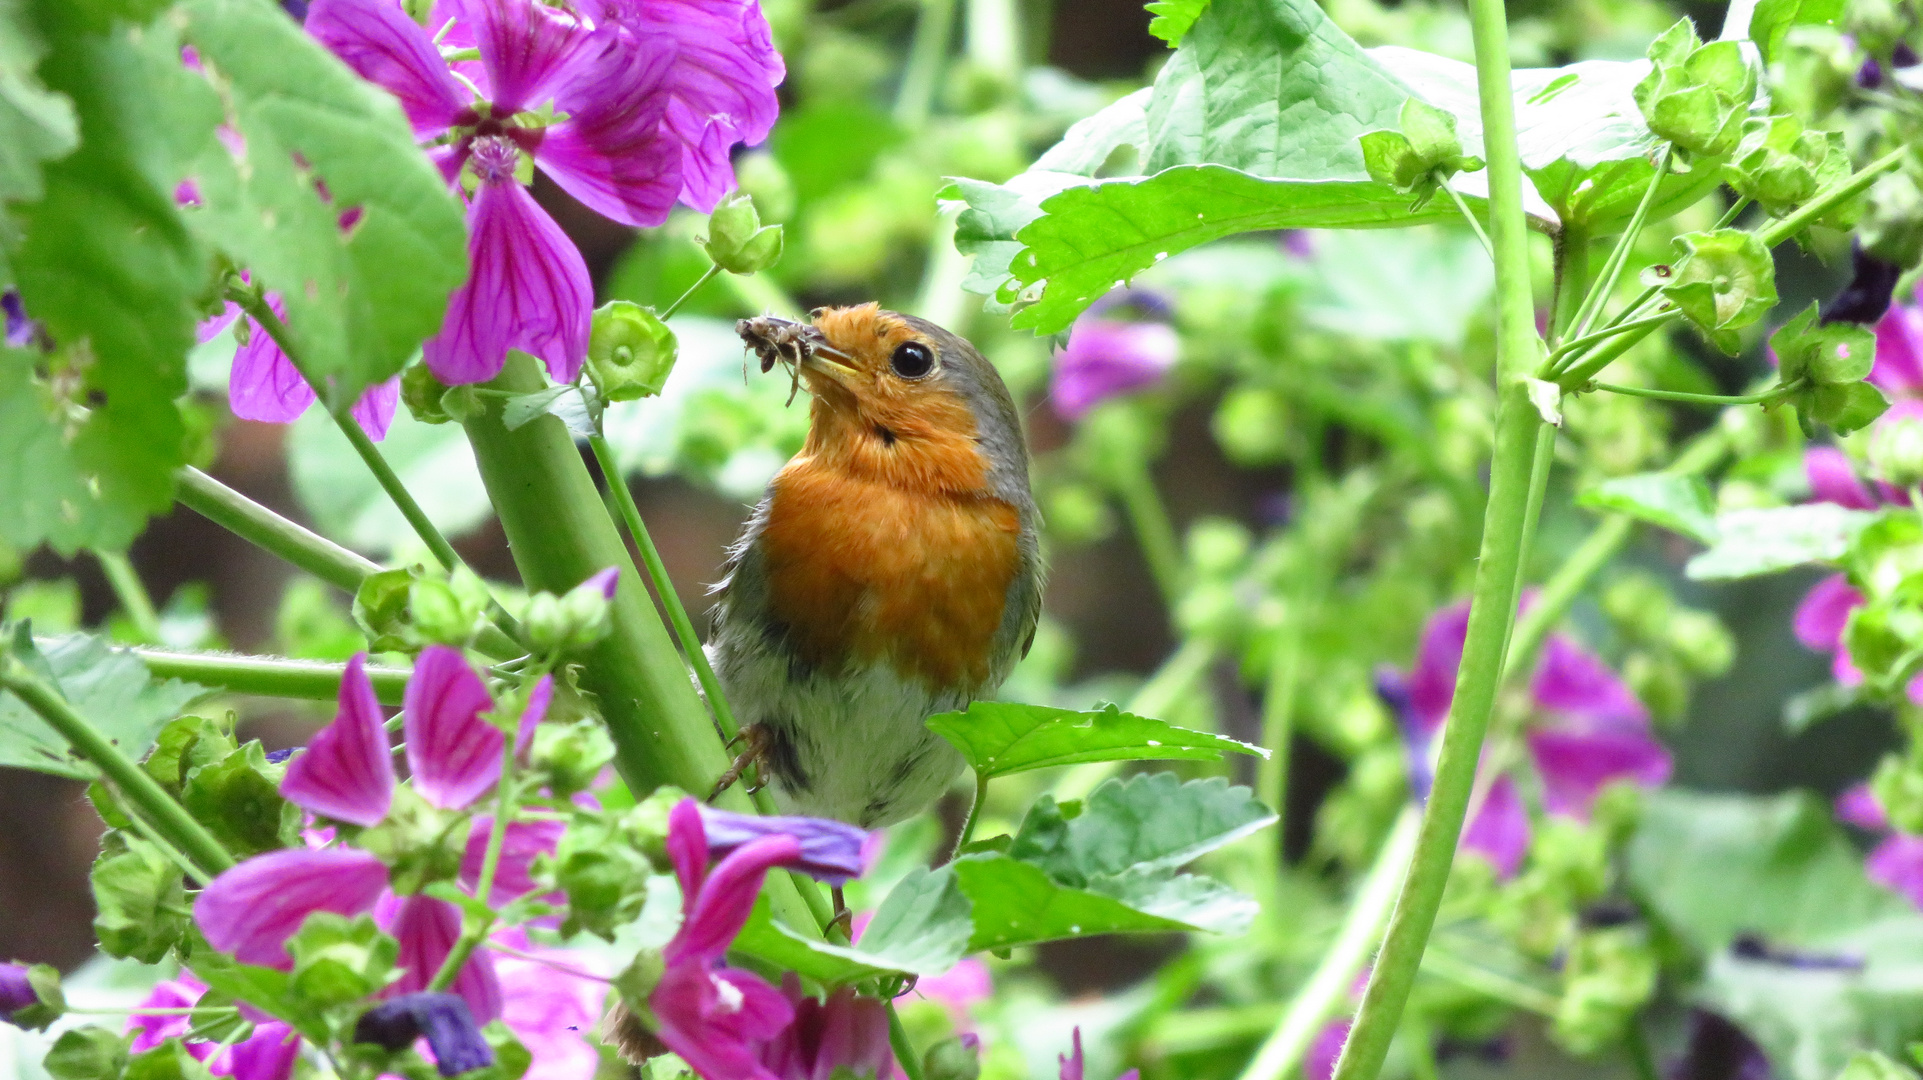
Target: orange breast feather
(863,571)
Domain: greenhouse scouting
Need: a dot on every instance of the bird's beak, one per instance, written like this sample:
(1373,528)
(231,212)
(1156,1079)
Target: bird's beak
(814,360)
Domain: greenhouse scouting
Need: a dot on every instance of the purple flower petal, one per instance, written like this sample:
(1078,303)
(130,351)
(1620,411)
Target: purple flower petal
(1105,358)
(1500,830)
(718,1020)
(1832,479)
(687,846)
(263,384)
(1820,618)
(1859,807)
(375,410)
(385,47)
(1898,369)
(347,771)
(19,332)
(1570,679)
(1071,1063)
(1577,758)
(830,850)
(607,581)
(845,1035)
(211,328)
(252,909)
(528,290)
(525,841)
(612,152)
(427,929)
(454,755)
(536,710)
(1432,682)
(527,48)
(268,1054)
(1327,1047)
(445,1021)
(1897,863)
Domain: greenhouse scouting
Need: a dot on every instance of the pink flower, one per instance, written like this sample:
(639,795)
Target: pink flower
(1326,1049)
(347,770)
(268,1054)
(843,1036)
(1108,357)
(1591,732)
(652,94)
(252,909)
(717,1018)
(264,385)
(550,999)
(1896,863)
(1071,1062)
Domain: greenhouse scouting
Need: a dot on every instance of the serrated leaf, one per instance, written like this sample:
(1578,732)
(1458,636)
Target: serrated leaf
(36,124)
(139,903)
(1151,823)
(1000,737)
(1678,503)
(1201,902)
(1173,18)
(1016,903)
(1762,541)
(359,300)
(109,687)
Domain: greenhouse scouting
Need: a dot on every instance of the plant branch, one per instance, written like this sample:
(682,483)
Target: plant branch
(1474,225)
(269,676)
(131,593)
(1774,394)
(167,816)
(1619,256)
(1328,986)
(921,75)
(1154,531)
(904,1049)
(706,276)
(271,532)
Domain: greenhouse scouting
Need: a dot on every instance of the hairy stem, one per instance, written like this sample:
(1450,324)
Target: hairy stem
(1493,605)
(166,815)
(272,533)
(1322,995)
(269,676)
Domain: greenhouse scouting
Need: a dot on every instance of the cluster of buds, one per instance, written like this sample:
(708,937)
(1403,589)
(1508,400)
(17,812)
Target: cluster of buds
(1696,96)
(1780,165)
(737,241)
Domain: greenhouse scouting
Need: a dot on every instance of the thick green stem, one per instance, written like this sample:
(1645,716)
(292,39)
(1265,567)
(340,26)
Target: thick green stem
(1154,530)
(1490,615)
(131,593)
(1322,995)
(270,532)
(1572,279)
(927,56)
(269,676)
(167,816)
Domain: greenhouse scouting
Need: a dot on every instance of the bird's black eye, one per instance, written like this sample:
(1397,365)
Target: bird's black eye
(912,360)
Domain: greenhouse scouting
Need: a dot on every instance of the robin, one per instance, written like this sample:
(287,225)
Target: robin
(891,572)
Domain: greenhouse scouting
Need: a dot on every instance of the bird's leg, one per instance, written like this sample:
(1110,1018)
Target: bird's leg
(755,741)
(843,917)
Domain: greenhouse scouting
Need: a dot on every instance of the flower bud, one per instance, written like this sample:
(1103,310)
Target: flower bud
(1780,165)
(1217,547)
(1896,448)
(1723,281)
(30,995)
(571,755)
(1695,95)
(1422,154)
(737,241)
(421,392)
(443,1019)
(1607,977)
(630,351)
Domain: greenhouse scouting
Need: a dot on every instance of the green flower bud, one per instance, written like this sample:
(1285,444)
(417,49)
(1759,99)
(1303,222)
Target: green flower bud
(1217,547)
(951,1059)
(1210,610)
(337,961)
(571,755)
(421,392)
(1423,154)
(1892,225)
(1695,95)
(437,614)
(1896,450)
(575,620)
(381,609)
(645,825)
(1829,362)
(630,351)
(1723,281)
(1252,426)
(604,877)
(1608,976)
(88,1053)
(140,903)
(737,241)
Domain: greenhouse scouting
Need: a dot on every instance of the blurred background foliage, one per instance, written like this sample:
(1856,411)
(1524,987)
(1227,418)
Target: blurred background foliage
(1327,415)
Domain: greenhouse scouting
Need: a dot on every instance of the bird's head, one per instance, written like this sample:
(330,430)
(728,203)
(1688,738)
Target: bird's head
(899,399)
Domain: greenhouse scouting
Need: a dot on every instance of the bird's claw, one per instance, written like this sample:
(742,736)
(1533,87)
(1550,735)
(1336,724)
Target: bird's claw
(755,740)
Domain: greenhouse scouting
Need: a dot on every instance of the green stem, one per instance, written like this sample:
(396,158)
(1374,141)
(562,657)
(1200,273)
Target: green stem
(1572,280)
(474,931)
(1278,719)
(1328,986)
(927,54)
(904,1049)
(131,593)
(1619,256)
(146,829)
(1783,228)
(974,815)
(269,676)
(1474,225)
(1540,461)
(706,276)
(1776,393)
(168,817)
(1636,1046)
(1576,345)
(1154,531)
(270,532)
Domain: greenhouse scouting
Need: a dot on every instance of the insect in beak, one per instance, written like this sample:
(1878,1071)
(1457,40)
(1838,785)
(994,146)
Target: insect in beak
(794,345)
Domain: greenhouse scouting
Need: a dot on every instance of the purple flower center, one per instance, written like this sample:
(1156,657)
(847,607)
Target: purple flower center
(494,159)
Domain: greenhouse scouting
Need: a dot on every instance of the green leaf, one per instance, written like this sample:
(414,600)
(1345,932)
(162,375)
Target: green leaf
(141,907)
(108,265)
(563,401)
(1678,503)
(359,301)
(1762,541)
(1145,824)
(264,988)
(1016,903)
(922,927)
(168,1061)
(1173,18)
(109,687)
(338,960)
(1771,22)
(238,799)
(1711,867)
(184,745)
(1001,737)
(35,125)
(775,945)
(88,1053)
(434,461)
(1814,1020)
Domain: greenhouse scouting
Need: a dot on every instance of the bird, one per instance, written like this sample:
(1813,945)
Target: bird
(891,571)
